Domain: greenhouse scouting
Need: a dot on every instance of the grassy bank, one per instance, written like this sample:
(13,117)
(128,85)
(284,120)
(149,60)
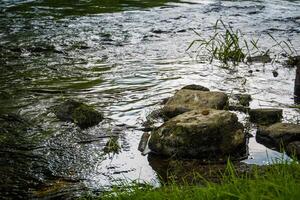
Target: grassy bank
(280,181)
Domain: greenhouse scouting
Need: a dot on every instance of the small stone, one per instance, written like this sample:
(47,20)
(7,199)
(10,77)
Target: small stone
(265,116)
(260,58)
(205,112)
(275,73)
(81,114)
(195,87)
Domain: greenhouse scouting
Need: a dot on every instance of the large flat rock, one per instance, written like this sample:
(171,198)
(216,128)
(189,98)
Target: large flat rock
(265,116)
(186,100)
(280,133)
(201,133)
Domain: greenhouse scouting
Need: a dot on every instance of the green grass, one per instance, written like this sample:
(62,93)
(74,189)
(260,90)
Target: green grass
(229,46)
(279,181)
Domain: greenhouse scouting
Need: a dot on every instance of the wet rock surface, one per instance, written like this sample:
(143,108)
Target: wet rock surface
(280,133)
(79,113)
(265,116)
(202,133)
(260,59)
(186,99)
(195,87)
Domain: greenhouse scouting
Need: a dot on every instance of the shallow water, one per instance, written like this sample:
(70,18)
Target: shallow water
(122,57)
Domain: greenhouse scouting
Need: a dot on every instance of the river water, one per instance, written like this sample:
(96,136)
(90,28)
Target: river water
(122,57)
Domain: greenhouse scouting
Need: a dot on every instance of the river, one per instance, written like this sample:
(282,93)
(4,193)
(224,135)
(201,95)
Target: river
(123,57)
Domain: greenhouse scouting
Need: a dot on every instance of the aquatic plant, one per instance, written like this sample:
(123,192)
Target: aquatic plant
(112,146)
(229,46)
(225,44)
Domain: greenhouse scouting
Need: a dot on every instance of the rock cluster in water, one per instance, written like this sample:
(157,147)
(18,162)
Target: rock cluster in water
(200,133)
(197,127)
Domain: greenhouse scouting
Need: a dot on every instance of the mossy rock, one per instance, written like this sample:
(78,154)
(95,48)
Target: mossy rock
(279,133)
(201,133)
(81,114)
(265,116)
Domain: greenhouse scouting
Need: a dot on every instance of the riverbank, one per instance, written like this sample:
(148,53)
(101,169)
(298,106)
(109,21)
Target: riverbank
(278,181)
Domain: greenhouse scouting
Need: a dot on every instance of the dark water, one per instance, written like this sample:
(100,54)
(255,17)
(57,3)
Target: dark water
(122,57)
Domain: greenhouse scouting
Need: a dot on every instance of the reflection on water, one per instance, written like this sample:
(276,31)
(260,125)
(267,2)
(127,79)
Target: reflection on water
(122,57)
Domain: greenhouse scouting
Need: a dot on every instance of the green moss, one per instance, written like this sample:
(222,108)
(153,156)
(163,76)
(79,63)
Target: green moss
(85,116)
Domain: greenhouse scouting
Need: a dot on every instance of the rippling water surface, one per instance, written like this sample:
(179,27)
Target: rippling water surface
(123,57)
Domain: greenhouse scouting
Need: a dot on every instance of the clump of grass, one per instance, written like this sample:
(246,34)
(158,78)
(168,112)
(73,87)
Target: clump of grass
(229,46)
(112,146)
(225,44)
(279,181)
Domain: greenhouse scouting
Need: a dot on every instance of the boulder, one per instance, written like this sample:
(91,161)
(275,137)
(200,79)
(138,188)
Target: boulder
(293,149)
(202,133)
(279,134)
(186,100)
(265,116)
(81,114)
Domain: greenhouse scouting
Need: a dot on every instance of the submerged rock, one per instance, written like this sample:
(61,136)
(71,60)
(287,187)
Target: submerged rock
(13,123)
(81,114)
(202,133)
(195,87)
(279,133)
(186,99)
(260,58)
(265,116)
